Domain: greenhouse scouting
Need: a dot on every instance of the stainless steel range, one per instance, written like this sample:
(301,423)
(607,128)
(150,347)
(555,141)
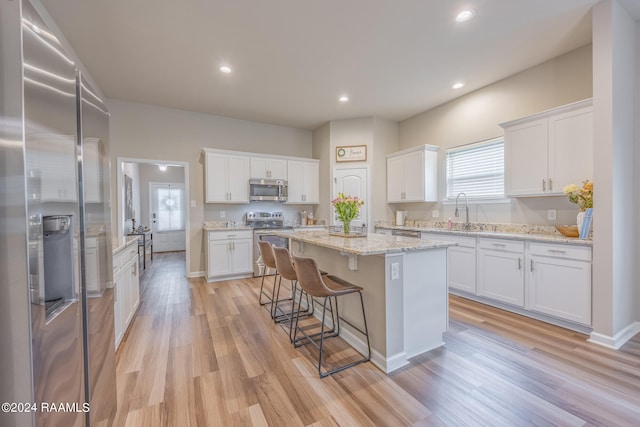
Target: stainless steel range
(262,223)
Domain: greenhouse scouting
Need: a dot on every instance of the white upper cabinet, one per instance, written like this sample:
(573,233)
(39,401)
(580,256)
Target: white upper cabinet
(268,168)
(547,151)
(303,181)
(226,178)
(227,175)
(412,175)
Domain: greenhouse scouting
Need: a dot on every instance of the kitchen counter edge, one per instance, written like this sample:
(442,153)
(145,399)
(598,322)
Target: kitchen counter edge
(373,244)
(498,235)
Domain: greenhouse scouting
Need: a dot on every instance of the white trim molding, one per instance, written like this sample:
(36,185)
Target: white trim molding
(195,274)
(618,340)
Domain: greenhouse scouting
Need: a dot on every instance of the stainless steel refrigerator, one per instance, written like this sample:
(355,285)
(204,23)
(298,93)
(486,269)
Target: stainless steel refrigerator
(56,295)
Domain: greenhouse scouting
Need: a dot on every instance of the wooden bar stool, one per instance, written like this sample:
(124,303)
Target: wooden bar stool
(288,272)
(327,287)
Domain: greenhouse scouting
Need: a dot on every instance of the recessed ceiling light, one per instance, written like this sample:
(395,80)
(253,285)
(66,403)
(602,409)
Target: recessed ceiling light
(163,168)
(457,85)
(225,69)
(343,98)
(465,15)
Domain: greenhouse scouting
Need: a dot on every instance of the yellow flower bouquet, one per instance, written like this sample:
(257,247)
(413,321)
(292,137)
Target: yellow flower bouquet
(581,196)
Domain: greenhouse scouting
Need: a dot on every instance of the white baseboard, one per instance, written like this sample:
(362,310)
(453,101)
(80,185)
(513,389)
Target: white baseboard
(195,274)
(385,365)
(225,278)
(619,339)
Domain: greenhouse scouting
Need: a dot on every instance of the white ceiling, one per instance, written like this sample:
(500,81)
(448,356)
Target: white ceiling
(292,59)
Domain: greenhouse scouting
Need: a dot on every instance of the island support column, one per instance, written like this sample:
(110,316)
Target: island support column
(405,297)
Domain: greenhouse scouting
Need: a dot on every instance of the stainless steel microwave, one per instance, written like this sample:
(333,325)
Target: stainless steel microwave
(274,190)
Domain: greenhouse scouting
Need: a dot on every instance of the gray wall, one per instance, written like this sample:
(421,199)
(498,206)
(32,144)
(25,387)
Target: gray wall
(141,131)
(475,117)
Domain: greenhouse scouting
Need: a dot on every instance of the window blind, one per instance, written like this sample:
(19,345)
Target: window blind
(476,170)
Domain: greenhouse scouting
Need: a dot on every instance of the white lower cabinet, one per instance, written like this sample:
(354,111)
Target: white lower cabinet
(126,288)
(229,254)
(559,281)
(501,270)
(544,280)
(461,260)
(118,303)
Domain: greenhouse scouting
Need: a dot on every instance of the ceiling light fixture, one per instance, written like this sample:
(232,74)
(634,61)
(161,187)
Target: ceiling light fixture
(457,85)
(343,98)
(465,15)
(163,168)
(225,69)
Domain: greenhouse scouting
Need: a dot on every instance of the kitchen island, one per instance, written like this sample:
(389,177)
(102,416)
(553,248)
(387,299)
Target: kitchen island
(404,283)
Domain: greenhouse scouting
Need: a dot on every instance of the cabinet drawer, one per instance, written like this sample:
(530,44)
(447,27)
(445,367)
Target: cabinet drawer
(117,262)
(501,245)
(230,234)
(130,251)
(581,253)
(464,241)
(124,256)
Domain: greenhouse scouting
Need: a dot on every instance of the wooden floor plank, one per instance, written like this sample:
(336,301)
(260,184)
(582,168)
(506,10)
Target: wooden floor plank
(206,354)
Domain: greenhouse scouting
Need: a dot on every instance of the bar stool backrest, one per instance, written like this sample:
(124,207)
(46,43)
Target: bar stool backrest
(283,263)
(309,277)
(267,254)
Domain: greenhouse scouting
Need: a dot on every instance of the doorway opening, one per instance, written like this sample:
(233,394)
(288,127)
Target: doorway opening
(165,215)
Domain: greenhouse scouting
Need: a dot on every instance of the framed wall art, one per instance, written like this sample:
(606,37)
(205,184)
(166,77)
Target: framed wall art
(128,197)
(351,153)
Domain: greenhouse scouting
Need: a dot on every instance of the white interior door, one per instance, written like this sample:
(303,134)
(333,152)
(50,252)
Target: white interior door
(352,182)
(167,216)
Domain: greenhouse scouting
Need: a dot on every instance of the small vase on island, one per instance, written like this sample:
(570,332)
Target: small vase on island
(579,220)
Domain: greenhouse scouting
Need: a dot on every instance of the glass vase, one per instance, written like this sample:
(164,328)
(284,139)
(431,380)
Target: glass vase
(346,227)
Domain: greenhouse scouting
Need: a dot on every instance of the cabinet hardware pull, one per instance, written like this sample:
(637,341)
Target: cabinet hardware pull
(544,185)
(550,185)
(519,263)
(553,251)
(500,245)
(233,245)
(531,265)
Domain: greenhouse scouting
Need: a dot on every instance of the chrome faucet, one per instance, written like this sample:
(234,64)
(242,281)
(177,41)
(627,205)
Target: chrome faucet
(466,208)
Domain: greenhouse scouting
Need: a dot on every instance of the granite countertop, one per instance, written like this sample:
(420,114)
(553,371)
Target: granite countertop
(223,226)
(372,244)
(119,244)
(517,232)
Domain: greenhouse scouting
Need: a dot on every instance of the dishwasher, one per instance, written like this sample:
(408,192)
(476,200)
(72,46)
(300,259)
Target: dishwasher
(406,233)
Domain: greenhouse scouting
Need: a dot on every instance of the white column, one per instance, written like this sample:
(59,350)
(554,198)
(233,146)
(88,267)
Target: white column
(615,83)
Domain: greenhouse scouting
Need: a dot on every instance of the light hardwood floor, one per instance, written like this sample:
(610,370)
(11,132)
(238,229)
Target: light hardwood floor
(202,354)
